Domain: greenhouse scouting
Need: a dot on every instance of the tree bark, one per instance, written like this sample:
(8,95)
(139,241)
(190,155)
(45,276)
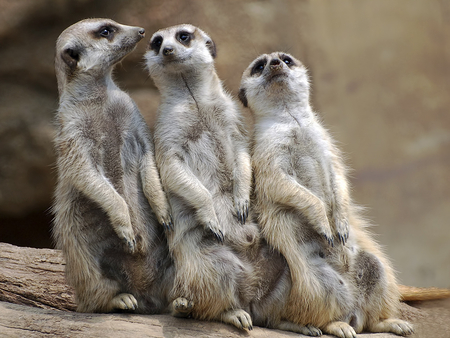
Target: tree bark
(35,301)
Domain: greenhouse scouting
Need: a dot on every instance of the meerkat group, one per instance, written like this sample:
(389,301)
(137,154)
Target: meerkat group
(200,219)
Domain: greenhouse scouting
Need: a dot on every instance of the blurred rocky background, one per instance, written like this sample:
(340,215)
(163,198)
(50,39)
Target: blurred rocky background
(380,77)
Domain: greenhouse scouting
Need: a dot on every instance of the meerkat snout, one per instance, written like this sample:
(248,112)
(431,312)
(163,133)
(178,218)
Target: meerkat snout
(168,51)
(275,63)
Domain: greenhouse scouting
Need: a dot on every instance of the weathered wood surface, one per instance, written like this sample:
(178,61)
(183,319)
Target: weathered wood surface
(33,279)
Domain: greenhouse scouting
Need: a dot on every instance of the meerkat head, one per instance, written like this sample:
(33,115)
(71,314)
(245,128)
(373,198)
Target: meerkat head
(273,78)
(179,49)
(93,47)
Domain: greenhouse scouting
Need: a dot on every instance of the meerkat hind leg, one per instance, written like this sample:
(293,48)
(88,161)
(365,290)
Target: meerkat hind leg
(340,329)
(393,325)
(238,318)
(181,307)
(308,330)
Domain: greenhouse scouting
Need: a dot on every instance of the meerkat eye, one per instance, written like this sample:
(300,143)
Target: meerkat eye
(106,32)
(287,60)
(258,67)
(184,37)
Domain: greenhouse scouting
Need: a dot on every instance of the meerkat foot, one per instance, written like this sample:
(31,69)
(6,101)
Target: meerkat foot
(238,318)
(397,326)
(181,307)
(340,329)
(307,330)
(123,301)
(241,210)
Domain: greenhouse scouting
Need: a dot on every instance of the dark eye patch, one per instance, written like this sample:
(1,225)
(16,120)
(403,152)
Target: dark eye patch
(258,67)
(288,60)
(106,32)
(184,37)
(156,43)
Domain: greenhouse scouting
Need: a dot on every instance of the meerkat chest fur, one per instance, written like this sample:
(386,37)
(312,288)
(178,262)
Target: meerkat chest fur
(105,123)
(298,145)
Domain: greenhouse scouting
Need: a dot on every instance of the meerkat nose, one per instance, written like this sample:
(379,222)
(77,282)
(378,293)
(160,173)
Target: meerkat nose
(142,32)
(168,51)
(275,62)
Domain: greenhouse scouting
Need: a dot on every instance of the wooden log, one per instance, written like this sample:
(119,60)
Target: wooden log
(35,301)
(34,277)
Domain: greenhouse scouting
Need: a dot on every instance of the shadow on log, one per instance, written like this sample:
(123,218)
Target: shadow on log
(35,301)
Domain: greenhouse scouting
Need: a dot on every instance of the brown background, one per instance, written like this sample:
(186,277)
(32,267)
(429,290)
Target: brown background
(380,77)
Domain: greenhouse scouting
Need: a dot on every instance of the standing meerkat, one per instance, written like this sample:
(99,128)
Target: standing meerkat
(304,209)
(204,163)
(109,199)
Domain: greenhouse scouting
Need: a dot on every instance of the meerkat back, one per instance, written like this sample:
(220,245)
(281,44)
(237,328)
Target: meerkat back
(108,199)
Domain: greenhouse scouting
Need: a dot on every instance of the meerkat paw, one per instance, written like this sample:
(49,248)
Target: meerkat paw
(342,229)
(307,330)
(123,301)
(208,218)
(181,307)
(166,221)
(325,230)
(241,206)
(397,326)
(238,318)
(126,234)
(340,329)
(216,230)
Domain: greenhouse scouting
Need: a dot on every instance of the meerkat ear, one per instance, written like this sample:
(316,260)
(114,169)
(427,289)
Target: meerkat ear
(212,48)
(243,97)
(71,56)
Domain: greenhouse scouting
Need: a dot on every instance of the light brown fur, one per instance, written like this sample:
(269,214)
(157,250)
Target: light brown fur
(109,198)
(341,280)
(204,162)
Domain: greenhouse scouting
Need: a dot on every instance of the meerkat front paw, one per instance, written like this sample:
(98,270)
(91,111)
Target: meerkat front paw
(210,222)
(124,301)
(215,228)
(238,318)
(317,216)
(166,221)
(324,229)
(341,228)
(181,307)
(126,234)
(241,207)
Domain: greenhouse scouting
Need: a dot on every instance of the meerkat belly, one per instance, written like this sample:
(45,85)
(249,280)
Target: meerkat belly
(211,160)
(309,167)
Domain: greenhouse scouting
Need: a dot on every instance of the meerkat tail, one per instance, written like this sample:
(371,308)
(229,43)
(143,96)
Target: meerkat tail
(412,293)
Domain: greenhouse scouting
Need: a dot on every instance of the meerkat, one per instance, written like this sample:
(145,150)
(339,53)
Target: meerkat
(341,281)
(204,162)
(109,205)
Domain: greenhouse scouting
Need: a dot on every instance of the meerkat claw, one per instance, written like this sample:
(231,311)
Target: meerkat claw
(329,240)
(218,235)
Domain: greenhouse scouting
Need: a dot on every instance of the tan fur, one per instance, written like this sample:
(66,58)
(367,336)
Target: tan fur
(203,158)
(341,280)
(109,235)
